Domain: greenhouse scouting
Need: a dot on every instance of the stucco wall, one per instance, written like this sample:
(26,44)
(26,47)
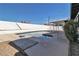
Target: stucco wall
(16,26)
(32,26)
(13,27)
(5,25)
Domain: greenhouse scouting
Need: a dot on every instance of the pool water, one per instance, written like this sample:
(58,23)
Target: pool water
(44,40)
(34,34)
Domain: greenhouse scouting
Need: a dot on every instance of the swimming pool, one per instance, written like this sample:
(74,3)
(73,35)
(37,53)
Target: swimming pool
(33,34)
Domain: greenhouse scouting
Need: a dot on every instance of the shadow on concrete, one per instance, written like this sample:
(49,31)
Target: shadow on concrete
(20,54)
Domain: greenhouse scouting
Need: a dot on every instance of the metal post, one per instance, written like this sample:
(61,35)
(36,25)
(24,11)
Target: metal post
(49,23)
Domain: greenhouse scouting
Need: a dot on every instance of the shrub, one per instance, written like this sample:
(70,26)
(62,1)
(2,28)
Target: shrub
(70,29)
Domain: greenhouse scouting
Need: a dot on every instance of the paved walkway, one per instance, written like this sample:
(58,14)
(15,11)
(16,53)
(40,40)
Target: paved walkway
(56,46)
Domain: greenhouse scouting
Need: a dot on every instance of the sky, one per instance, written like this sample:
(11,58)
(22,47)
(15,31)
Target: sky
(34,13)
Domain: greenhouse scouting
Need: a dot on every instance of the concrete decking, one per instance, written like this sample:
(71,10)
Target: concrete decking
(51,46)
(12,37)
(8,37)
(56,46)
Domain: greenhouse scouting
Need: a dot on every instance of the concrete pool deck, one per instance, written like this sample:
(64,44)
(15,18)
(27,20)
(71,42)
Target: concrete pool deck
(56,46)
(8,37)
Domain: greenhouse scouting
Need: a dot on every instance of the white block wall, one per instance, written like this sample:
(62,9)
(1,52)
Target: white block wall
(4,25)
(33,27)
(11,27)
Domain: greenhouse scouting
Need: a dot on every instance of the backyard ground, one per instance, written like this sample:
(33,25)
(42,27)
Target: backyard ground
(57,45)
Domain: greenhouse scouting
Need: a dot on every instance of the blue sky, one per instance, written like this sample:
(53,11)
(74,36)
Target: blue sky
(35,13)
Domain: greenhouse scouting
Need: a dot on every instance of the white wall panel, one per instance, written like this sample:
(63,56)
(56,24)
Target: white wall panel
(12,27)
